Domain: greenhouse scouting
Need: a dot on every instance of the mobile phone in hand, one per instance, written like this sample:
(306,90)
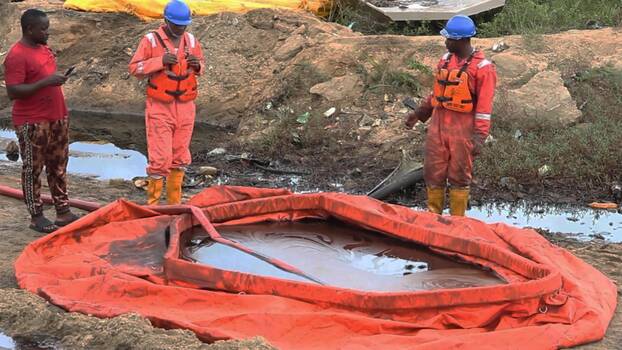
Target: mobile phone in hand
(70,70)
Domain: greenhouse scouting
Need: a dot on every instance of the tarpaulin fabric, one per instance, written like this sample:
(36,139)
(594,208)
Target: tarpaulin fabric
(116,260)
(152,9)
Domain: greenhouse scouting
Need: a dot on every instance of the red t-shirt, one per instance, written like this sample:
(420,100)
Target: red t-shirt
(27,65)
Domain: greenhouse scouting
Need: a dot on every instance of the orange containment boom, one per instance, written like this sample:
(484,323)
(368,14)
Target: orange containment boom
(127,258)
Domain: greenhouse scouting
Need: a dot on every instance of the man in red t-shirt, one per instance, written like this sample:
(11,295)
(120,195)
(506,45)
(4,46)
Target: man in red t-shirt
(40,119)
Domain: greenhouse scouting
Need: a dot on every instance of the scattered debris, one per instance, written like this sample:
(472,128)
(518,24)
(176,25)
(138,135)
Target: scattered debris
(406,174)
(296,139)
(509,183)
(356,172)
(500,46)
(592,24)
(603,205)
(330,112)
(303,118)
(140,182)
(217,152)
(544,170)
(616,191)
(597,236)
(196,181)
(12,151)
(366,121)
(208,170)
(263,164)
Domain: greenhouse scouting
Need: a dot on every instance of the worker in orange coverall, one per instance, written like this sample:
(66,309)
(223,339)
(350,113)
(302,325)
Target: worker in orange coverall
(171,59)
(460,108)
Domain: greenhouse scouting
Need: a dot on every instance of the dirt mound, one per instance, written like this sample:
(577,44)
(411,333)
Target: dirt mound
(24,315)
(262,65)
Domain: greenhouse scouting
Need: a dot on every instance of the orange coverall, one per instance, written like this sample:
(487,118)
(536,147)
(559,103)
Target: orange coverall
(450,137)
(169,126)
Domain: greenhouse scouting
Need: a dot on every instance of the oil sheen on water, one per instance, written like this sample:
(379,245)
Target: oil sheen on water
(337,255)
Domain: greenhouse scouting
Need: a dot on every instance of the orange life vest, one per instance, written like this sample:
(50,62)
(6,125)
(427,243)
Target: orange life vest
(451,88)
(176,82)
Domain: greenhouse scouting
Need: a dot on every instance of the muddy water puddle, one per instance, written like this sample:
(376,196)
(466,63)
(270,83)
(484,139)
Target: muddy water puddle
(582,223)
(337,255)
(102,160)
(8,343)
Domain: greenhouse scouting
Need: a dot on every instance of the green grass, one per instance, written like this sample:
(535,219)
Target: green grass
(384,77)
(516,17)
(550,16)
(586,155)
(414,64)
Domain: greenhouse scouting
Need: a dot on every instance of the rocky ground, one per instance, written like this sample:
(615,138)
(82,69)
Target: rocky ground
(311,97)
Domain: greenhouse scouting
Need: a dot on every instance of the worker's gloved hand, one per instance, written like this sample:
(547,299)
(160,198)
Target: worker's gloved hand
(169,59)
(411,119)
(478,144)
(194,63)
(421,114)
(424,113)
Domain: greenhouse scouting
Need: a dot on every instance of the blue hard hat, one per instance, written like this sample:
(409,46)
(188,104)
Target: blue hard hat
(178,12)
(459,27)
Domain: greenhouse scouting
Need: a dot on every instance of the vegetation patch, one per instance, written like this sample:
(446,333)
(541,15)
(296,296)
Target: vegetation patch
(586,155)
(384,77)
(519,17)
(303,76)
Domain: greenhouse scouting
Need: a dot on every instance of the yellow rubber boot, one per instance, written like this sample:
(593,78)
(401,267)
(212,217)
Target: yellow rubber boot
(458,201)
(154,190)
(173,186)
(436,200)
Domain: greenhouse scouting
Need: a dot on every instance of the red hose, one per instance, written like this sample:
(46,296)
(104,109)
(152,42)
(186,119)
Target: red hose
(76,203)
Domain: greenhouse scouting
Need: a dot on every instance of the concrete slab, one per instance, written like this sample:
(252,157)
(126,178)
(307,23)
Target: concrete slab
(420,10)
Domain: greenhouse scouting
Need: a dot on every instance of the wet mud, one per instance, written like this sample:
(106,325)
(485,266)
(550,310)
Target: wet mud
(338,255)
